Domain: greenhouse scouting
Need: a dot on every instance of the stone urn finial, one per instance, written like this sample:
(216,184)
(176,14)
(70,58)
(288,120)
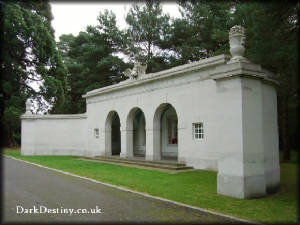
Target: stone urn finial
(237,39)
(28,106)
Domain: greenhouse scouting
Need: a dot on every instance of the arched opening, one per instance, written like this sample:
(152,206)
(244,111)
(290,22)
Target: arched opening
(139,134)
(166,123)
(113,134)
(136,130)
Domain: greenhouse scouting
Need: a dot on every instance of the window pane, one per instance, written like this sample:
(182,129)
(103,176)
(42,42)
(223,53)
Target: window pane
(198,131)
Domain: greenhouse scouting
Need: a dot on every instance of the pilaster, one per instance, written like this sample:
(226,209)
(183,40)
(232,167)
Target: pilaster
(126,143)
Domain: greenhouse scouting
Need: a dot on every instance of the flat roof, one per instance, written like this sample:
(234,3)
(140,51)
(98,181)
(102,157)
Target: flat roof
(193,66)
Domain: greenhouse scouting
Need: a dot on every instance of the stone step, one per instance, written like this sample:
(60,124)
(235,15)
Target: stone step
(163,164)
(142,160)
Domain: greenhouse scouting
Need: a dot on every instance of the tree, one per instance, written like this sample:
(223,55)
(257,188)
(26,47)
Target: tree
(272,31)
(202,31)
(28,56)
(91,60)
(147,28)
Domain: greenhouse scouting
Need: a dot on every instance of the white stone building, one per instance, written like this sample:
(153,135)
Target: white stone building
(215,114)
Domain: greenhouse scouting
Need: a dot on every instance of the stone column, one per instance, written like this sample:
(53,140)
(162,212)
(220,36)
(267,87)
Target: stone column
(241,173)
(271,142)
(107,151)
(153,151)
(126,143)
(181,147)
(242,85)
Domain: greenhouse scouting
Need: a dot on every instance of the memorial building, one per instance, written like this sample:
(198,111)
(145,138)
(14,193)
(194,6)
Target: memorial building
(216,114)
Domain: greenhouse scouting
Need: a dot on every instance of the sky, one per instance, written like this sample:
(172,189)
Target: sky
(73,17)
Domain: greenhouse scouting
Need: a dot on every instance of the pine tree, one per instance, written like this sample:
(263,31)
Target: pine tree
(91,59)
(202,31)
(28,55)
(272,32)
(147,28)
(272,41)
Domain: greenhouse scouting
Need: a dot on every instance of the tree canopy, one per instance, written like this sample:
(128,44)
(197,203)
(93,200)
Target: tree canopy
(28,54)
(91,60)
(202,31)
(147,28)
(272,41)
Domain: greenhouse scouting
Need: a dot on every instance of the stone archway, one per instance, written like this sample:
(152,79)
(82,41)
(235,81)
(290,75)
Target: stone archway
(136,132)
(165,132)
(112,134)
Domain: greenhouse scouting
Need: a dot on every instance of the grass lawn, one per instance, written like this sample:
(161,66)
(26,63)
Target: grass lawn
(294,156)
(196,188)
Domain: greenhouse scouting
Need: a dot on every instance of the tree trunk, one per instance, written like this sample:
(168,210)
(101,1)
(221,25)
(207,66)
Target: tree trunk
(285,130)
(8,137)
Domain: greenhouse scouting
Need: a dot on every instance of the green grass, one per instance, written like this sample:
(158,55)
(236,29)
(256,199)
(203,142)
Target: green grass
(196,188)
(294,156)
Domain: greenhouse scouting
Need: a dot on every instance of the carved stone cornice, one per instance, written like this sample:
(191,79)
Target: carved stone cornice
(243,69)
(162,75)
(160,80)
(54,116)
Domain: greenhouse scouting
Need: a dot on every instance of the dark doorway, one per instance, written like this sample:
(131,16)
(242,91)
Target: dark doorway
(115,135)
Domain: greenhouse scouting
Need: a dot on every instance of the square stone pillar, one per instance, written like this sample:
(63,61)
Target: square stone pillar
(106,150)
(27,135)
(241,174)
(181,146)
(271,142)
(242,171)
(126,143)
(153,148)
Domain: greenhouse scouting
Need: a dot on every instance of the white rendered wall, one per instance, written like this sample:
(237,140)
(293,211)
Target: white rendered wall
(194,102)
(234,101)
(243,171)
(53,135)
(271,145)
(253,169)
(28,137)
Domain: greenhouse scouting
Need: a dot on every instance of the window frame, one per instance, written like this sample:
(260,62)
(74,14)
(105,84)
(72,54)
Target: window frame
(198,131)
(96,132)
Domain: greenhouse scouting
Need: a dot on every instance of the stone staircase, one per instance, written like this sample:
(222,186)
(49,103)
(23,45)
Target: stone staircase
(165,163)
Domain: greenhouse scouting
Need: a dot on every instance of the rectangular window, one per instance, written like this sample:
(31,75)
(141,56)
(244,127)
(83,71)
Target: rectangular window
(96,133)
(198,131)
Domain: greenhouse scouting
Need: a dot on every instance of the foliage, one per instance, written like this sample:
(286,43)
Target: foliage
(272,31)
(90,60)
(28,55)
(197,188)
(202,31)
(147,26)
(294,157)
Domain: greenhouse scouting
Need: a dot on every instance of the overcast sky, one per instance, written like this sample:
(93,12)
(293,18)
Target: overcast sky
(73,17)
